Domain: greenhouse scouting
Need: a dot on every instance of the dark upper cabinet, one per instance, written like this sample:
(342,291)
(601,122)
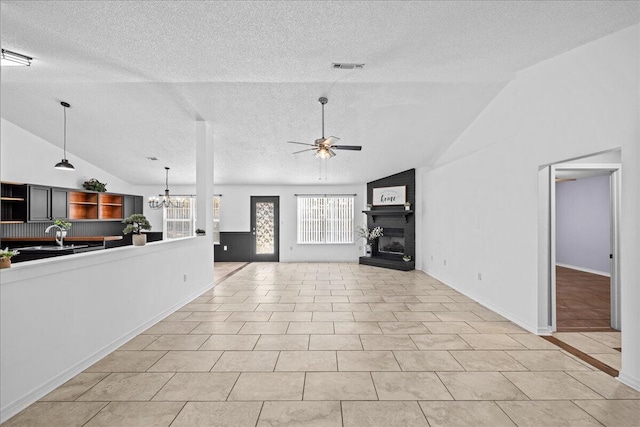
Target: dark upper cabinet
(132,205)
(46,203)
(139,202)
(59,203)
(39,203)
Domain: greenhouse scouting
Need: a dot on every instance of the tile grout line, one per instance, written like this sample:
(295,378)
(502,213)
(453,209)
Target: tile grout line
(96,414)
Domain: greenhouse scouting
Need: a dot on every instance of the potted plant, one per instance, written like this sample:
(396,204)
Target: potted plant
(64,227)
(5,257)
(407,206)
(135,224)
(95,185)
(200,232)
(370,235)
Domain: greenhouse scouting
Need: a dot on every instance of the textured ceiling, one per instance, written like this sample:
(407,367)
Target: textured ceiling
(138,75)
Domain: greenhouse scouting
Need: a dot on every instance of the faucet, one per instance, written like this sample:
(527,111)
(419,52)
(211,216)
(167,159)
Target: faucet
(59,236)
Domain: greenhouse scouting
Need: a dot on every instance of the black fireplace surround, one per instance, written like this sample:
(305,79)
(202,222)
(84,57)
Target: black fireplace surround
(398,225)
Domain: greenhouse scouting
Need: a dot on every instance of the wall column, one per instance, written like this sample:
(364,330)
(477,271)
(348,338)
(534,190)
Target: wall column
(204,179)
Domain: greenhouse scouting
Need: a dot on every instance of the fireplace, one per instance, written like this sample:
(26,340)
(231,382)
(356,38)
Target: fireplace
(392,242)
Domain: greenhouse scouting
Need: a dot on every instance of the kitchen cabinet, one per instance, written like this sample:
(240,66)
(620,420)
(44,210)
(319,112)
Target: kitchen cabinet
(13,197)
(83,205)
(47,203)
(39,203)
(110,206)
(59,203)
(132,205)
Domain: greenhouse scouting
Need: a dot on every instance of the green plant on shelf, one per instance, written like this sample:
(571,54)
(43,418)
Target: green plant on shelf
(95,185)
(135,224)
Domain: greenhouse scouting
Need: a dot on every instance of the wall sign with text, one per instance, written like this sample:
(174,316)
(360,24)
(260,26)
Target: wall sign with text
(387,196)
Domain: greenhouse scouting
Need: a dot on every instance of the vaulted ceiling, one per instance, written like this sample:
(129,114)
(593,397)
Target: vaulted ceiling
(139,74)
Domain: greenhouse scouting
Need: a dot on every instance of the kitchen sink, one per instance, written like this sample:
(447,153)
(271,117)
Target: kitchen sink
(53,248)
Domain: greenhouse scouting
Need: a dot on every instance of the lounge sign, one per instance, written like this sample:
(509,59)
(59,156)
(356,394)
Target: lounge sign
(388,196)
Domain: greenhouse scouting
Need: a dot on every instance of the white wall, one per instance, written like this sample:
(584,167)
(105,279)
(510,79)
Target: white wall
(583,217)
(59,316)
(481,199)
(25,157)
(235,216)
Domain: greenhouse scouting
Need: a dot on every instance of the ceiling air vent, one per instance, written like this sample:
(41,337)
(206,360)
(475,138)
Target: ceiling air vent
(347,65)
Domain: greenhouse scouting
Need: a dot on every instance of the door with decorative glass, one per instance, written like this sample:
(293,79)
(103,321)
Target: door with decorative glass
(265,230)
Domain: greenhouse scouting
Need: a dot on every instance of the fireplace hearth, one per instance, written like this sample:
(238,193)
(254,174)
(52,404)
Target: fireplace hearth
(391,245)
(397,222)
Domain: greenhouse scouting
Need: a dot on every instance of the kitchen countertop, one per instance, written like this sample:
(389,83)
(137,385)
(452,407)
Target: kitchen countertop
(66,239)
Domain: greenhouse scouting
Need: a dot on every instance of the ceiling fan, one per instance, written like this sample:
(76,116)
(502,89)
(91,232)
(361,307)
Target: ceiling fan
(324,146)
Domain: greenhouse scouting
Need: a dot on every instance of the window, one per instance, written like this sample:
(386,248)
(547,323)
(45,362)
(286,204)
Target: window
(216,219)
(180,222)
(325,220)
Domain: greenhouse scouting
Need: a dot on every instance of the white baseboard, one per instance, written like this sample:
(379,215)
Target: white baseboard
(510,316)
(586,270)
(629,380)
(546,331)
(33,396)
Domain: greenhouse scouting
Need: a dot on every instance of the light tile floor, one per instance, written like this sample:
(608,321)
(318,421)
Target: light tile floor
(603,346)
(336,345)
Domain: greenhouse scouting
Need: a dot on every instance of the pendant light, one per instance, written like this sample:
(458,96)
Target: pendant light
(64,163)
(166,201)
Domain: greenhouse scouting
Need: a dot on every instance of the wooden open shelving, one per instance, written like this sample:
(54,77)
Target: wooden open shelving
(83,205)
(13,198)
(110,206)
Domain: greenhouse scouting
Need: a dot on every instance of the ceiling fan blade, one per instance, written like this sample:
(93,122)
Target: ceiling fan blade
(347,147)
(332,139)
(301,143)
(331,153)
(308,149)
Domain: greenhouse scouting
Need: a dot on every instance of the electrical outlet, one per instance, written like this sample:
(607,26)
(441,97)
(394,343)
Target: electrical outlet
(224,248)
(444,262)
(290,248)
(431,257)
(479,276)
(185,277)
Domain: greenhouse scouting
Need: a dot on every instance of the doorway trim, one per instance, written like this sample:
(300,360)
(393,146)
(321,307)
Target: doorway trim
(547,242)
(275,257)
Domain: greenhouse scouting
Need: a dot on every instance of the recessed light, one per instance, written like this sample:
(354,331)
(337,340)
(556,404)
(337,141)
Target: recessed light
(152,158)
(347,65)
(14,59)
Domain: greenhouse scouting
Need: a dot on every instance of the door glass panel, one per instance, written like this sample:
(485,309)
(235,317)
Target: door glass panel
(265,228)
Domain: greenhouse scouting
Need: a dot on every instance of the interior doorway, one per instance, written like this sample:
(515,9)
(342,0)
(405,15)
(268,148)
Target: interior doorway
(583,250)
(580,293)
(265,228)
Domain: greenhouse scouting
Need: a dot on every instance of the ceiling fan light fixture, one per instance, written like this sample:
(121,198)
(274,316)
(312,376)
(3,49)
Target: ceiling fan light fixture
(323,153)
(324,146)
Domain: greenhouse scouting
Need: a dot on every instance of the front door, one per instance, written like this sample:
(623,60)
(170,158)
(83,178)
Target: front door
(265,230)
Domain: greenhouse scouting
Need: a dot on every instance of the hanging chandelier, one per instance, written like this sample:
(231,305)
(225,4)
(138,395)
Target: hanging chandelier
(166,201)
